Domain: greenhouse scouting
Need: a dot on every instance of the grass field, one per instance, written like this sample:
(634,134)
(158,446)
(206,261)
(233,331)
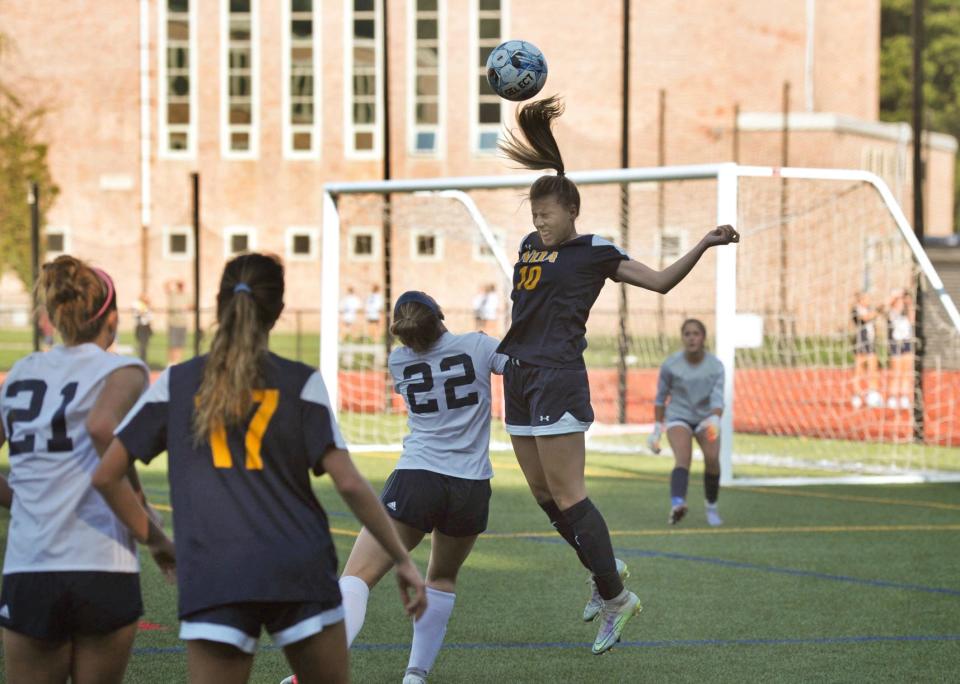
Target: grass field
(801,584)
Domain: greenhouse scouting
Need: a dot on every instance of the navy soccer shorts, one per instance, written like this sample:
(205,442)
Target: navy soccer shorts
(54,606)
(428,501)
(239,624)
(546,401)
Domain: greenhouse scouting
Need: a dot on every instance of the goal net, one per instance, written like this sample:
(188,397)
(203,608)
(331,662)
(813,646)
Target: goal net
(804,402)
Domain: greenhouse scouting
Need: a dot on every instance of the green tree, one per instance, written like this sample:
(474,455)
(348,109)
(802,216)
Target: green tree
(941,70)
(23,159)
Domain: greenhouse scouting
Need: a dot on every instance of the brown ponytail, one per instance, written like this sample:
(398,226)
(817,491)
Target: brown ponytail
(417,326)
(249,302)
(76,297)
(540,150)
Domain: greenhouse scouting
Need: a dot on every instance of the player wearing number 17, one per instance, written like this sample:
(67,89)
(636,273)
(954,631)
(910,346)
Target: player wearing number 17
(557,278)
(243,430)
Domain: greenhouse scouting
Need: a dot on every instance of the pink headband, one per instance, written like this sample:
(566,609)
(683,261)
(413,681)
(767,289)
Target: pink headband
(106,302)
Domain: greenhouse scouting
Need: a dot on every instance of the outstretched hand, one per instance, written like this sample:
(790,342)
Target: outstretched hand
(413,593)
(721,235)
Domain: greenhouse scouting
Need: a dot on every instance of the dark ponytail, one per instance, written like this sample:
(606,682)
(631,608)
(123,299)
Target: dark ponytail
(417,326)
(540,150)
(249,302)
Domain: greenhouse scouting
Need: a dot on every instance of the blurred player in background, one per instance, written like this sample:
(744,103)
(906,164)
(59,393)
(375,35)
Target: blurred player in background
(900,348)
(865,373)
(556,280)
(693,380)
(244,429)
(71,583)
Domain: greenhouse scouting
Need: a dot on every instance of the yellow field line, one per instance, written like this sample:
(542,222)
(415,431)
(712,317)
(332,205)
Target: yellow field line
(603,471)
(745,530)
(853,497)
(806,529)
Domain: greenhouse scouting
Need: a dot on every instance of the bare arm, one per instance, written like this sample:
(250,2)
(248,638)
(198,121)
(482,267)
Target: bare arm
(121,391)
(110,479)
(635,273)
(362,500)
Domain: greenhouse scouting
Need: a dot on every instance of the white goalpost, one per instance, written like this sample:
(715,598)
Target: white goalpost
(777,307)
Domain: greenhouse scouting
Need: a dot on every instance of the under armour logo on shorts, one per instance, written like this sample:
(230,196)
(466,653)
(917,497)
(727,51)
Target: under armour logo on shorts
(544,419)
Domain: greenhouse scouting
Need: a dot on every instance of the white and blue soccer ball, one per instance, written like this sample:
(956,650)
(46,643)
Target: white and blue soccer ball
(516,70)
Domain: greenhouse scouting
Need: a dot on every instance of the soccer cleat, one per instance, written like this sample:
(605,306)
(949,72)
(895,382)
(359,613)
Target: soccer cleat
(713,515)
(292,679)
(613,618)
(676,513)
(592,609)
(414,676)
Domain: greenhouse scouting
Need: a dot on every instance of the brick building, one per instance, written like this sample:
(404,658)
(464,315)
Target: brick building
(268,100)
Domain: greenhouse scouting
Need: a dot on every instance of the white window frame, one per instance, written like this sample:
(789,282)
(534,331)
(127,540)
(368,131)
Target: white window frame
(413,128)
(374,243)
(479,244)
(231,231)
(437,236)
(64,232)
(164,128)
(289,128)
(475,70)
(350,129)
(226,128)
(680,234)
(312,232)
(169,231)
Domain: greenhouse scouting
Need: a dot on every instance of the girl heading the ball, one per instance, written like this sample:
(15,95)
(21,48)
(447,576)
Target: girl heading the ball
(557,278)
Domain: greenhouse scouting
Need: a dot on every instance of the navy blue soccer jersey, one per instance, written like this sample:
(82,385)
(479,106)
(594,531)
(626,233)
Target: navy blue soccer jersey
(553,290)
(247,526)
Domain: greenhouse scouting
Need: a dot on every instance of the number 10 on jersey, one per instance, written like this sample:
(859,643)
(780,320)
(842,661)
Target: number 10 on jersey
(529,277)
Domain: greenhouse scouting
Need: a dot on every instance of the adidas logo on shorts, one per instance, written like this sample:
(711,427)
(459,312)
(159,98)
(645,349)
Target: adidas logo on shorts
(392,505)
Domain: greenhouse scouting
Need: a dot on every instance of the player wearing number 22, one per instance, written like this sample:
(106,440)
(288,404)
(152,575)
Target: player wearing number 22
(441,485)
(557,279)
(71,587)
(244,429)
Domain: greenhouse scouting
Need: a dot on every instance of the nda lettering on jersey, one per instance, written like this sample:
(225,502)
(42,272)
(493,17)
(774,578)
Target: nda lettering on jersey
(538,256)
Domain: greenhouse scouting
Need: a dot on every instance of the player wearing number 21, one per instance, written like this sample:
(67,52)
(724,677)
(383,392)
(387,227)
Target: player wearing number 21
(71,583)
(243,430)
(557,278)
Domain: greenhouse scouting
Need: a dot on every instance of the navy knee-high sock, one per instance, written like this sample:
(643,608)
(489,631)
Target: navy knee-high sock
(679,479)
(711,486)
(591,534)
(560,525)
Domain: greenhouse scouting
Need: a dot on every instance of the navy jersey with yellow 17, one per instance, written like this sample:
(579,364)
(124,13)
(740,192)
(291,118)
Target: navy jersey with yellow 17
(247,526)
(553,290)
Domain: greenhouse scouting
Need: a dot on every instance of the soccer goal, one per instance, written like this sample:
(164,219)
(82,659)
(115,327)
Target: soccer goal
(802,406)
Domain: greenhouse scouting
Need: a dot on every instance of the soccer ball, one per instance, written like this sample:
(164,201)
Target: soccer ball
(516,70)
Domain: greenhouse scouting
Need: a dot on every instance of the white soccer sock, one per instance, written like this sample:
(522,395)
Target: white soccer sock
(355,595)
(429,630)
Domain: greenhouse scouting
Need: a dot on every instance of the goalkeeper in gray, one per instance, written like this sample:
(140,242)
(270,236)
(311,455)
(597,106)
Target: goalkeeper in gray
(693,380)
